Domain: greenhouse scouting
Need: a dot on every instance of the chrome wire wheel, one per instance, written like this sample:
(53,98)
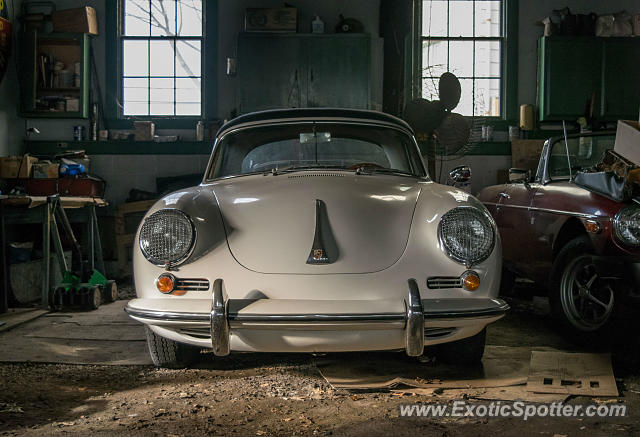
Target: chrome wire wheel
(587,298)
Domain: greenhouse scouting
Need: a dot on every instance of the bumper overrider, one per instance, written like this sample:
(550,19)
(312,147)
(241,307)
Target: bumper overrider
(226,315)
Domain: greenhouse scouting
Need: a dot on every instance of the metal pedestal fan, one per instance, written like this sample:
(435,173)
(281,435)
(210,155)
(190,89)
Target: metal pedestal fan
(441,133)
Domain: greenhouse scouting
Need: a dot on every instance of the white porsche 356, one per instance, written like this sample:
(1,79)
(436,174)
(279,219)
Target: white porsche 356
(316,230)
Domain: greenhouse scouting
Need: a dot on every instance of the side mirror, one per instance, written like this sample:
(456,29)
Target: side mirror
(460,174)
(519,175)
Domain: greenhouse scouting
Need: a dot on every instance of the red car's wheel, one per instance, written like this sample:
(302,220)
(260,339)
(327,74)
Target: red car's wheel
(582,300)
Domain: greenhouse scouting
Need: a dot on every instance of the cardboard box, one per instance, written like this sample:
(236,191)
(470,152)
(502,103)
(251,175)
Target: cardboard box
(9,166)
(271,20)
(144,130)
(77,20)
(628,140)
(526,154)
(45,170)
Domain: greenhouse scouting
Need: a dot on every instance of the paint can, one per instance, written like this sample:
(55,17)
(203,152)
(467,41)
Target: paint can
(78,133)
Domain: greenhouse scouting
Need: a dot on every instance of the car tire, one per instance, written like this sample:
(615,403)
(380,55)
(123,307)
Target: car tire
(466,352)
(168,353)
(574,283)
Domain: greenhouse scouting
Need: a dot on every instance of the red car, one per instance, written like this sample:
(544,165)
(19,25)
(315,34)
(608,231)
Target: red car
(580,246)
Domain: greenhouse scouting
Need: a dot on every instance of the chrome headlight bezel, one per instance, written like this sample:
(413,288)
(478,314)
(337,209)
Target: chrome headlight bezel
(618,223)
(487,221)
(178,259)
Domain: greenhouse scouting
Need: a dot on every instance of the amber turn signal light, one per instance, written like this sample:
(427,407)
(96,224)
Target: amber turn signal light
(470,281)
(165,283)
(592,226)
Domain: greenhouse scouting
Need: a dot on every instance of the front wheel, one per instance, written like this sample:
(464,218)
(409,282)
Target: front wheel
(582,300)
(169,353)
(466,352)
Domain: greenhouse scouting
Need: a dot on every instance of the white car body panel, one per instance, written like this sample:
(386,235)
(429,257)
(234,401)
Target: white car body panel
(255,233)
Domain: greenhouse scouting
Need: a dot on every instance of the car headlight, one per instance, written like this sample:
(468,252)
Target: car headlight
(626,225)
(167,236)
(467,235)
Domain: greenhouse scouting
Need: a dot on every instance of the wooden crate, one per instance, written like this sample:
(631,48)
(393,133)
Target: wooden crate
(127,219)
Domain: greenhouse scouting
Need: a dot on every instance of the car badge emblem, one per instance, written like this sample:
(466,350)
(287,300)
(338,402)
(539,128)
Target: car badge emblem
(319,253)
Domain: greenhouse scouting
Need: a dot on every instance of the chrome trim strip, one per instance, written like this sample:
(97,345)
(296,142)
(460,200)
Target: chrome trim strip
(440,282)
(414,330)
(219,324)
(322,326)
(168,315)
(414,308)
(461,314)
(286,318)
(551,211)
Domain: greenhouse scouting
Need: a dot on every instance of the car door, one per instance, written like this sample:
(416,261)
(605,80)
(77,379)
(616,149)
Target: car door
(513,217)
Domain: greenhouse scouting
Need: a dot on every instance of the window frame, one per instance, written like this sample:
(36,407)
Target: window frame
(509,61)
(114,72)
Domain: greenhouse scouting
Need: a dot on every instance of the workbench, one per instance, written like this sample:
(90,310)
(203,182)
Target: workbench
(40,210)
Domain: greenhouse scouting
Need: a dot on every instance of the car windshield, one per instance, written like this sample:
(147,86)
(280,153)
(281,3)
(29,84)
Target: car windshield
(289,147)
(584,153)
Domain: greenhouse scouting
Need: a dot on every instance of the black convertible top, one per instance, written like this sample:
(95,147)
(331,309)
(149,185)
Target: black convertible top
(275,115)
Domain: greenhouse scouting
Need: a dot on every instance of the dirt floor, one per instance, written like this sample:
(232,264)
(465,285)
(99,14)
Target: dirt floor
(275,394)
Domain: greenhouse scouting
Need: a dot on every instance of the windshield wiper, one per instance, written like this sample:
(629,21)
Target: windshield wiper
(371,170)
(293,168)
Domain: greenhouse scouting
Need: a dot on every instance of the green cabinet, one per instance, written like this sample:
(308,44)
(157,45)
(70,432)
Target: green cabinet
(54,75)
(620,98)
(296,71)
(574,72)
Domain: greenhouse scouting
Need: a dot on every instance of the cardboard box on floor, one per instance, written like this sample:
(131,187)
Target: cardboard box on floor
(628,140)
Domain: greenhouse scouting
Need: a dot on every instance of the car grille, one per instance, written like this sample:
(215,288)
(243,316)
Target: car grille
(437,282)
(189,284)
(316,175)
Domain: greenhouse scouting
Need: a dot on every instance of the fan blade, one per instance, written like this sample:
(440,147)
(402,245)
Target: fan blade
(453,133)
(449,90)
(424,116)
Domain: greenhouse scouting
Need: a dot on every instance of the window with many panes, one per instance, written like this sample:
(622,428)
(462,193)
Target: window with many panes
(161,57)
(464,37)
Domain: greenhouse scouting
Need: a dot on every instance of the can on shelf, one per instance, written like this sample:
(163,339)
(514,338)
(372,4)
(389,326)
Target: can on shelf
(78,133)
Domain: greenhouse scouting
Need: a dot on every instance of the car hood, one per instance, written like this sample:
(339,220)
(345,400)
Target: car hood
(276,224)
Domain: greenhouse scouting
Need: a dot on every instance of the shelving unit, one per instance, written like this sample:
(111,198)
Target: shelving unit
(54,75)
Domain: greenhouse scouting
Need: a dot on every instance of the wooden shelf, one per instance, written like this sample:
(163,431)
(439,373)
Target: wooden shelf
(112,147)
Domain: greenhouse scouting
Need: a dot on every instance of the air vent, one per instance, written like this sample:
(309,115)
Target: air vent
(317,175)
(438,332)
(192,284)
(200,333)
(437,282)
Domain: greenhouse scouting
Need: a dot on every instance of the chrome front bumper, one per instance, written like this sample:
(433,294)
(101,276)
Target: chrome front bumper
(226,315)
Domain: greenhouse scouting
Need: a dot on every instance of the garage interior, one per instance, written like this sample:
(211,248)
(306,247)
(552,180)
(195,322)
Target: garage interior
(101,116)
